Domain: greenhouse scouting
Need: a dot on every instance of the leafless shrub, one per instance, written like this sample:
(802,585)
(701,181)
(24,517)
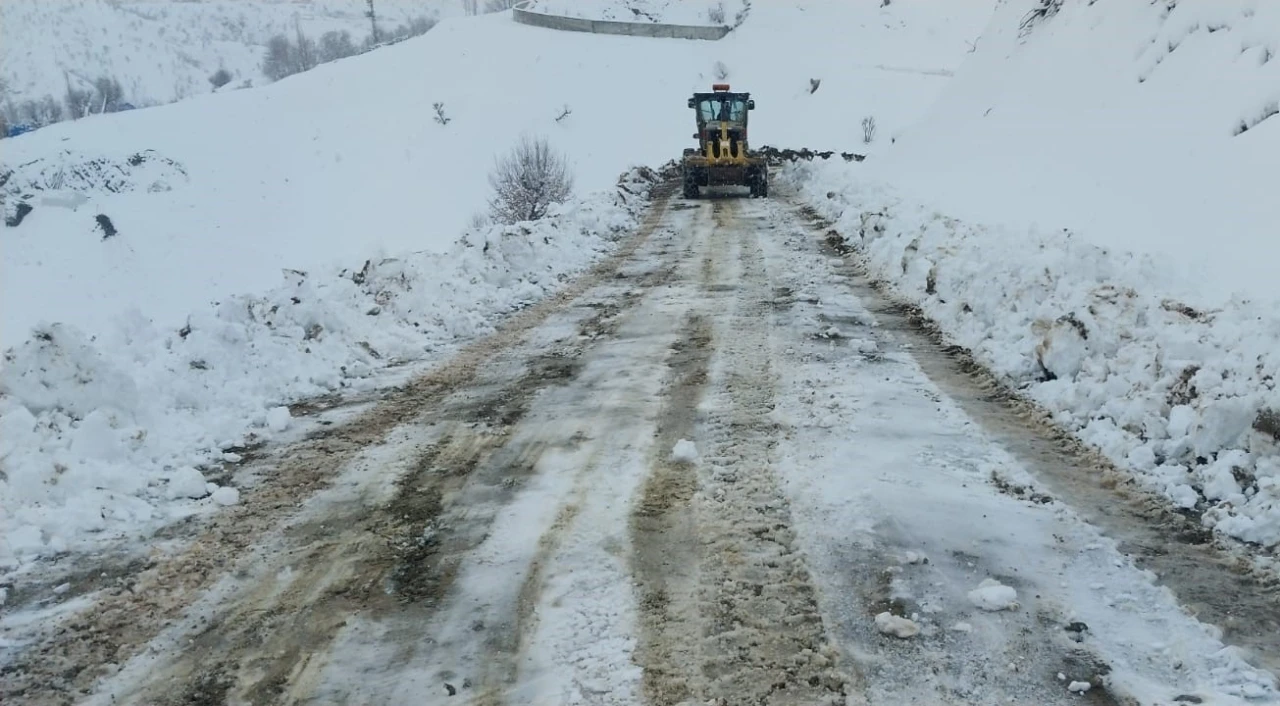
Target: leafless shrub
(527,181)
(220,78)
(440,116)
(499,5)
(716,14)
(868,129)
(565,112)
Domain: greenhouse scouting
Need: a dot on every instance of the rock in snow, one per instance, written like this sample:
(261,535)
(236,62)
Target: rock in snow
(685,451)
(890,624)
(992,595)
(226,495)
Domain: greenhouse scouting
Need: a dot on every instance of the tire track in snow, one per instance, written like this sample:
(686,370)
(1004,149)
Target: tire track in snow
(766,642)
(728,612)
(665,533)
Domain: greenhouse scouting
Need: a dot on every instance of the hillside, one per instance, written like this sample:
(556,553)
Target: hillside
(165,51)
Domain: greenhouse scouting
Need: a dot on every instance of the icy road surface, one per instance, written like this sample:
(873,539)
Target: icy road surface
(719,469)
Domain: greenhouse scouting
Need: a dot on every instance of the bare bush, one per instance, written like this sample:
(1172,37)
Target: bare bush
(336,44)
(716,14)
(471,7)
(479,221)
(720,71)
(868,129)
(440,116)
(499,5)
(527,181)
(220,78)
(565,112)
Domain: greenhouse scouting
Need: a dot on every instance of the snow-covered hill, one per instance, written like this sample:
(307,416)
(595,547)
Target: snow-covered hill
(212,197)
(166,50)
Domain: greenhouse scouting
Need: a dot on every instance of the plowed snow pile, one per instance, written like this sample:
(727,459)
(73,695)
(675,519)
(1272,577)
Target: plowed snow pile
(1114,166)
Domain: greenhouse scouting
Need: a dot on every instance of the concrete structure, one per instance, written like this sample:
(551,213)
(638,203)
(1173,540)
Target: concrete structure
(633,29)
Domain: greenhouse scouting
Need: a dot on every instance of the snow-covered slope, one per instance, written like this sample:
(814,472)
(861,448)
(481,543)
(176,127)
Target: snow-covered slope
(1091,208)
(165,50)
(1143,125)
(211,198)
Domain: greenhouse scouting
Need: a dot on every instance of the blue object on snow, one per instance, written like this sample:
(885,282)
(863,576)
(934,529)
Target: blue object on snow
(15,130)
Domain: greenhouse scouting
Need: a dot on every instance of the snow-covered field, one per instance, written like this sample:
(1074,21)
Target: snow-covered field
(1104,236)
(166,50)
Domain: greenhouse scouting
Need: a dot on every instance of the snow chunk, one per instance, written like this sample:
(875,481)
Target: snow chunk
(962,627)
(226,495)
(889,624)
(685,451)
(991,595)
(1078,687)
(187,482)
(278,419)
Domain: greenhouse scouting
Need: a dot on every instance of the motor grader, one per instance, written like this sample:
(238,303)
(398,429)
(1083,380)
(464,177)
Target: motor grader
(722,157)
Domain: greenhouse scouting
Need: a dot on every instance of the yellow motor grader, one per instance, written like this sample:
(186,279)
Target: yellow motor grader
(722,157)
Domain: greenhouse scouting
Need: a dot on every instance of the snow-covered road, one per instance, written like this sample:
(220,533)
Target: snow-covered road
(720,468)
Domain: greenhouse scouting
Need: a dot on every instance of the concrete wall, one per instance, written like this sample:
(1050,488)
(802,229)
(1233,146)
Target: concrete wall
(633,29)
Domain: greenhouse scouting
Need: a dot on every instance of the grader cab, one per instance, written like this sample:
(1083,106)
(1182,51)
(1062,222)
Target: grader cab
(722,157)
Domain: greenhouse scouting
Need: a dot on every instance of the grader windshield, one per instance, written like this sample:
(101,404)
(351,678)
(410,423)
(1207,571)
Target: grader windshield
(724,108)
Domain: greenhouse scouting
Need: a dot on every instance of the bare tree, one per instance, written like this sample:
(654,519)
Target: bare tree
(108,94)
(527,181)
(280,60)
(373,22)
(50,110)
(304,50)
(77,100)
(471,7)
(868,129)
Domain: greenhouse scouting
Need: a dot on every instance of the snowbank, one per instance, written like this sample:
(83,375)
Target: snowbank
(1180,392)
(101,436)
